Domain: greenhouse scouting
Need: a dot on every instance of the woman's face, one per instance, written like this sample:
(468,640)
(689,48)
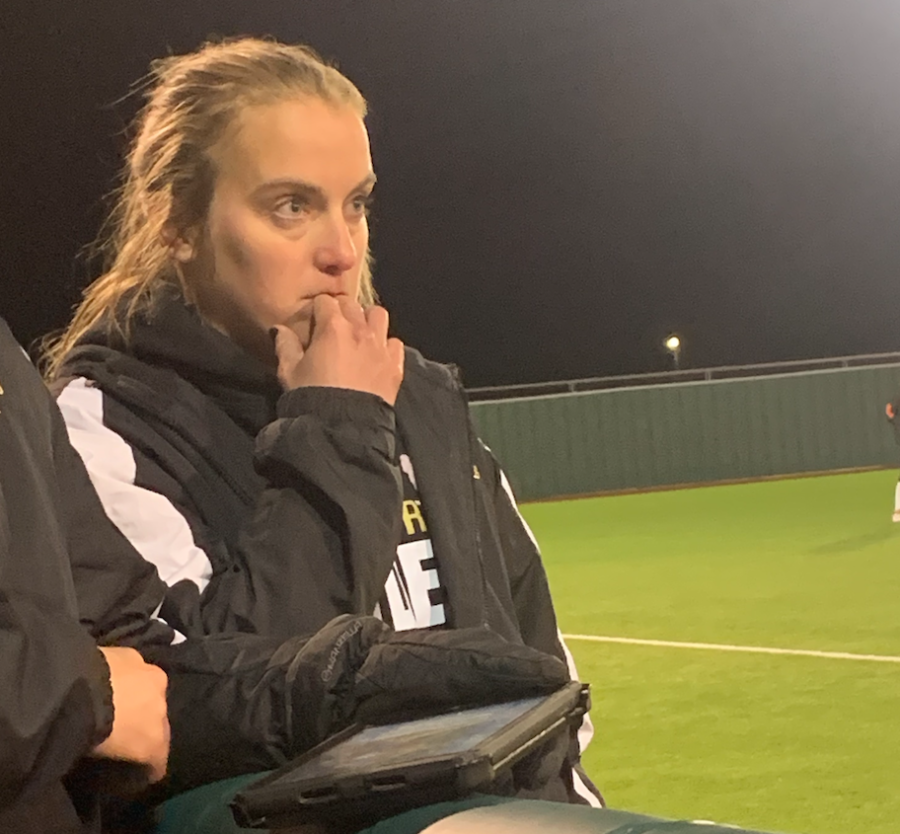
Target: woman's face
(287,220)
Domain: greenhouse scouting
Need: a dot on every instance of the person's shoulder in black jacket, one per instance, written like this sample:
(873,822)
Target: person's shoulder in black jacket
(62,695)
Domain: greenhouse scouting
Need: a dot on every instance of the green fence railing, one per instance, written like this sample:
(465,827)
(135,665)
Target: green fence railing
(693,432)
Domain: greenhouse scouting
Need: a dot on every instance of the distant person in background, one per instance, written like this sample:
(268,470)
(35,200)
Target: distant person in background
(892,409)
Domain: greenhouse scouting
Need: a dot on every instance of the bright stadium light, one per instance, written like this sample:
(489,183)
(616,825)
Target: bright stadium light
(673,345)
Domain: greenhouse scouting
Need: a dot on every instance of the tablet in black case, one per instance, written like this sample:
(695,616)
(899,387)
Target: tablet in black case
(367,773)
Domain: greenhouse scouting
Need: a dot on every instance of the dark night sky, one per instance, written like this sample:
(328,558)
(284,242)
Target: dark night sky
(561,181)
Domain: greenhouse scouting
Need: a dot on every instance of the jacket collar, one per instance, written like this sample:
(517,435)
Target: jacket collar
(172,336)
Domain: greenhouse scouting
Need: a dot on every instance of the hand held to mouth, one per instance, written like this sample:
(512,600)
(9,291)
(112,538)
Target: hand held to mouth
(348,348)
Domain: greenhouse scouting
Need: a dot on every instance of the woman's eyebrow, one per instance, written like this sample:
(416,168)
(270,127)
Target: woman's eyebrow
(368,182)
(307,189)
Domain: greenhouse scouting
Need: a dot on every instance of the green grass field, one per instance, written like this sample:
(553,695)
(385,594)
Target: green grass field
(781,743)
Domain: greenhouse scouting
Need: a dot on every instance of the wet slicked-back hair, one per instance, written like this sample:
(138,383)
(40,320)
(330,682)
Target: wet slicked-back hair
(169,176)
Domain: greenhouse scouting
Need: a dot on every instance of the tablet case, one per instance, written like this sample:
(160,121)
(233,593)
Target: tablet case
(350,799)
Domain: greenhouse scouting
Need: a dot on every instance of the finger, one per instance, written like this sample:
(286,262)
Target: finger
(288,347)
(397,353)
(158,771)
(353,312)
(160,762)
(379,321)
(324,309)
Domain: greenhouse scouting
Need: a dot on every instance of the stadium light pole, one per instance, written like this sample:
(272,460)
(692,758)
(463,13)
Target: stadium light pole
(673,345)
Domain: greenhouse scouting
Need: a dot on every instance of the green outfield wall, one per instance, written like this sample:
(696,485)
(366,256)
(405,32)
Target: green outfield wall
(693,432)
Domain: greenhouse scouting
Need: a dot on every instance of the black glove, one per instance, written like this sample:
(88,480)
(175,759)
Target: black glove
(358,669)
(429,671)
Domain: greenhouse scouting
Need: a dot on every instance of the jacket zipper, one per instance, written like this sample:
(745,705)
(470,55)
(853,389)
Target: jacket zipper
(473,441)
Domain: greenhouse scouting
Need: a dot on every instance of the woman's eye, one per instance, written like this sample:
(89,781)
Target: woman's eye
(362,204)
(291,208)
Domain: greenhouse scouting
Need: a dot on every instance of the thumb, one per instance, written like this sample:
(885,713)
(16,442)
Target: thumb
(289,352)
(397,353)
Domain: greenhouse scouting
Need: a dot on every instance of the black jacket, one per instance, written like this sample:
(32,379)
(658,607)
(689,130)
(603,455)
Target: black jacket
(55,700)
(289,503)
(69,580)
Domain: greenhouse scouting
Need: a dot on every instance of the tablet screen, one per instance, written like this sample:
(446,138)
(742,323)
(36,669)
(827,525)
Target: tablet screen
(398,745)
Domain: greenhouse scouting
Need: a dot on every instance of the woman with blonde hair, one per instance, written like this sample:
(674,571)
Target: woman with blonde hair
(246,418)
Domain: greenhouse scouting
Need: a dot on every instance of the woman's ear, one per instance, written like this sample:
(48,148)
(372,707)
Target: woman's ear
(180,244)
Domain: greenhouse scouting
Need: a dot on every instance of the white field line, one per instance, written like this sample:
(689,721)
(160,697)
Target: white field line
(725,647)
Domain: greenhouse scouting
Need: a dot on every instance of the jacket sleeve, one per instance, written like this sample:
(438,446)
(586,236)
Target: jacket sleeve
(55,697)
(118,593)
(327,519)
(307,688)
(57,701)
(532,599)
(527,577)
